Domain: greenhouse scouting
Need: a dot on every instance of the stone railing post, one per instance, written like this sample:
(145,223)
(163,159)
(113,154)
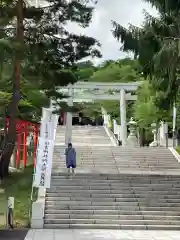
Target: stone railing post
(154,131)
(37,218)
(132,138)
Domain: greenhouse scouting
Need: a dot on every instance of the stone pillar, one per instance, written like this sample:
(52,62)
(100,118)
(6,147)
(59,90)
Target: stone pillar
(68,132)
(154,131)
(123,117)
(119,132)
(109,120)
(162,135)
(115,127)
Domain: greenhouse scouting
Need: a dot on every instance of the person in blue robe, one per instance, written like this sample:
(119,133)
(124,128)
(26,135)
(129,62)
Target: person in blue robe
(70,154)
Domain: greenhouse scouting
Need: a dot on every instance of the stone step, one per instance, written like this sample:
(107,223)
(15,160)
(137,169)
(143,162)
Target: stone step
(62,175)
(116,221)
(115,170)
(105,161)
(103,178)
(120,167)
(114,185)
(110,157)
(82,165)
(68,180)
(103,164)
(135,203)
(113,176)
(110,153)
(112,191)
(116,166)
(120,188)
(98,150)
(123,176)
(113,181)
(118,160)
(111,212)
(112,196)
(99,155)
(112,226)
(112,200)
(116,150)
(118,163)
(111,217)
(126,207)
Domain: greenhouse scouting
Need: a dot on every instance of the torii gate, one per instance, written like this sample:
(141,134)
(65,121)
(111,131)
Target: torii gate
(113,91)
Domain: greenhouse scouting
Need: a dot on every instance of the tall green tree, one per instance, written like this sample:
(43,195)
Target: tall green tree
(145,108)
(156,45)
(41,50)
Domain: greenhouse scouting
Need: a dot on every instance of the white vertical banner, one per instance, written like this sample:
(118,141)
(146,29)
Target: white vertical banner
(45,155)
(46,130)
(45,149)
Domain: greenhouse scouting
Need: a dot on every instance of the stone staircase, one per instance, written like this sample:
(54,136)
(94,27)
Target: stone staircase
(110,159)
(113,187)
(86,135)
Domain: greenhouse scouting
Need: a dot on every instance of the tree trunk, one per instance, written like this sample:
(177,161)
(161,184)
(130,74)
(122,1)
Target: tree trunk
(8,145)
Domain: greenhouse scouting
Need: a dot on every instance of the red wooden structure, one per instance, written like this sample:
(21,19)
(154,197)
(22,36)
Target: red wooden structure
(24,128)
(63,117)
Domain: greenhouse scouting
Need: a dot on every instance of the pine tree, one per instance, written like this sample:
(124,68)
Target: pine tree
(36,42)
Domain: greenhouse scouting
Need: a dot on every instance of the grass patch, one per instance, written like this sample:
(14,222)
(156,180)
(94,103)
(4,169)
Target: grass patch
(18,185)
(178,149)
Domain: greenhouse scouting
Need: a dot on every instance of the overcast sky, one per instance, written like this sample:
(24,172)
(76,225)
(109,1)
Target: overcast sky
(122,11)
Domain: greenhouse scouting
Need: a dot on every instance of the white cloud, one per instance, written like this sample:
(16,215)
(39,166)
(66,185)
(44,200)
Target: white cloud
(122,11)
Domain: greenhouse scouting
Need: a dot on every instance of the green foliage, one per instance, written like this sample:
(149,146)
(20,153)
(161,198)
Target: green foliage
(32,98)
(90,109)
(85,73)
(178,149)
(19,186)
(156,44)
(48,52)
(164,6)
(146,110)
(120,71)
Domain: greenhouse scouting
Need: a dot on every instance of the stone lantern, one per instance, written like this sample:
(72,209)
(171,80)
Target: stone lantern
(132,139)
(154,131)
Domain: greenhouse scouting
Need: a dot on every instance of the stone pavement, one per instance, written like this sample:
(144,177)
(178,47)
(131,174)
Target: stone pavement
(79,234)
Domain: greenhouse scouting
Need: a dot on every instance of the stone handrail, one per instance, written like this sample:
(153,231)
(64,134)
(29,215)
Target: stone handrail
(111,135)
(111,127)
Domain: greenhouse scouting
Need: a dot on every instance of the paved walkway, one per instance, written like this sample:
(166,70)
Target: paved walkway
(75,234)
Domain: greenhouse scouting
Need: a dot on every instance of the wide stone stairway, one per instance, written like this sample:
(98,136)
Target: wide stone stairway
(114,187)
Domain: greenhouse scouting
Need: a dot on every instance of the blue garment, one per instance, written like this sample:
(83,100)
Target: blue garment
(70,157)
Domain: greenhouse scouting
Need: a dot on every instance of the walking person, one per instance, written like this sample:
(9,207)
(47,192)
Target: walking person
(70,154)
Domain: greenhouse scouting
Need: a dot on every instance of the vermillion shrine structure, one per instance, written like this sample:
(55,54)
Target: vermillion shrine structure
(23,129)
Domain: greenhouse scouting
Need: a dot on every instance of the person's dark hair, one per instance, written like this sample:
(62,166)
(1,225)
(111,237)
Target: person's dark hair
(69,144)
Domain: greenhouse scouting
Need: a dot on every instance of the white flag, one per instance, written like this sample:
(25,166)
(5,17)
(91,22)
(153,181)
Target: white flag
(44,163)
